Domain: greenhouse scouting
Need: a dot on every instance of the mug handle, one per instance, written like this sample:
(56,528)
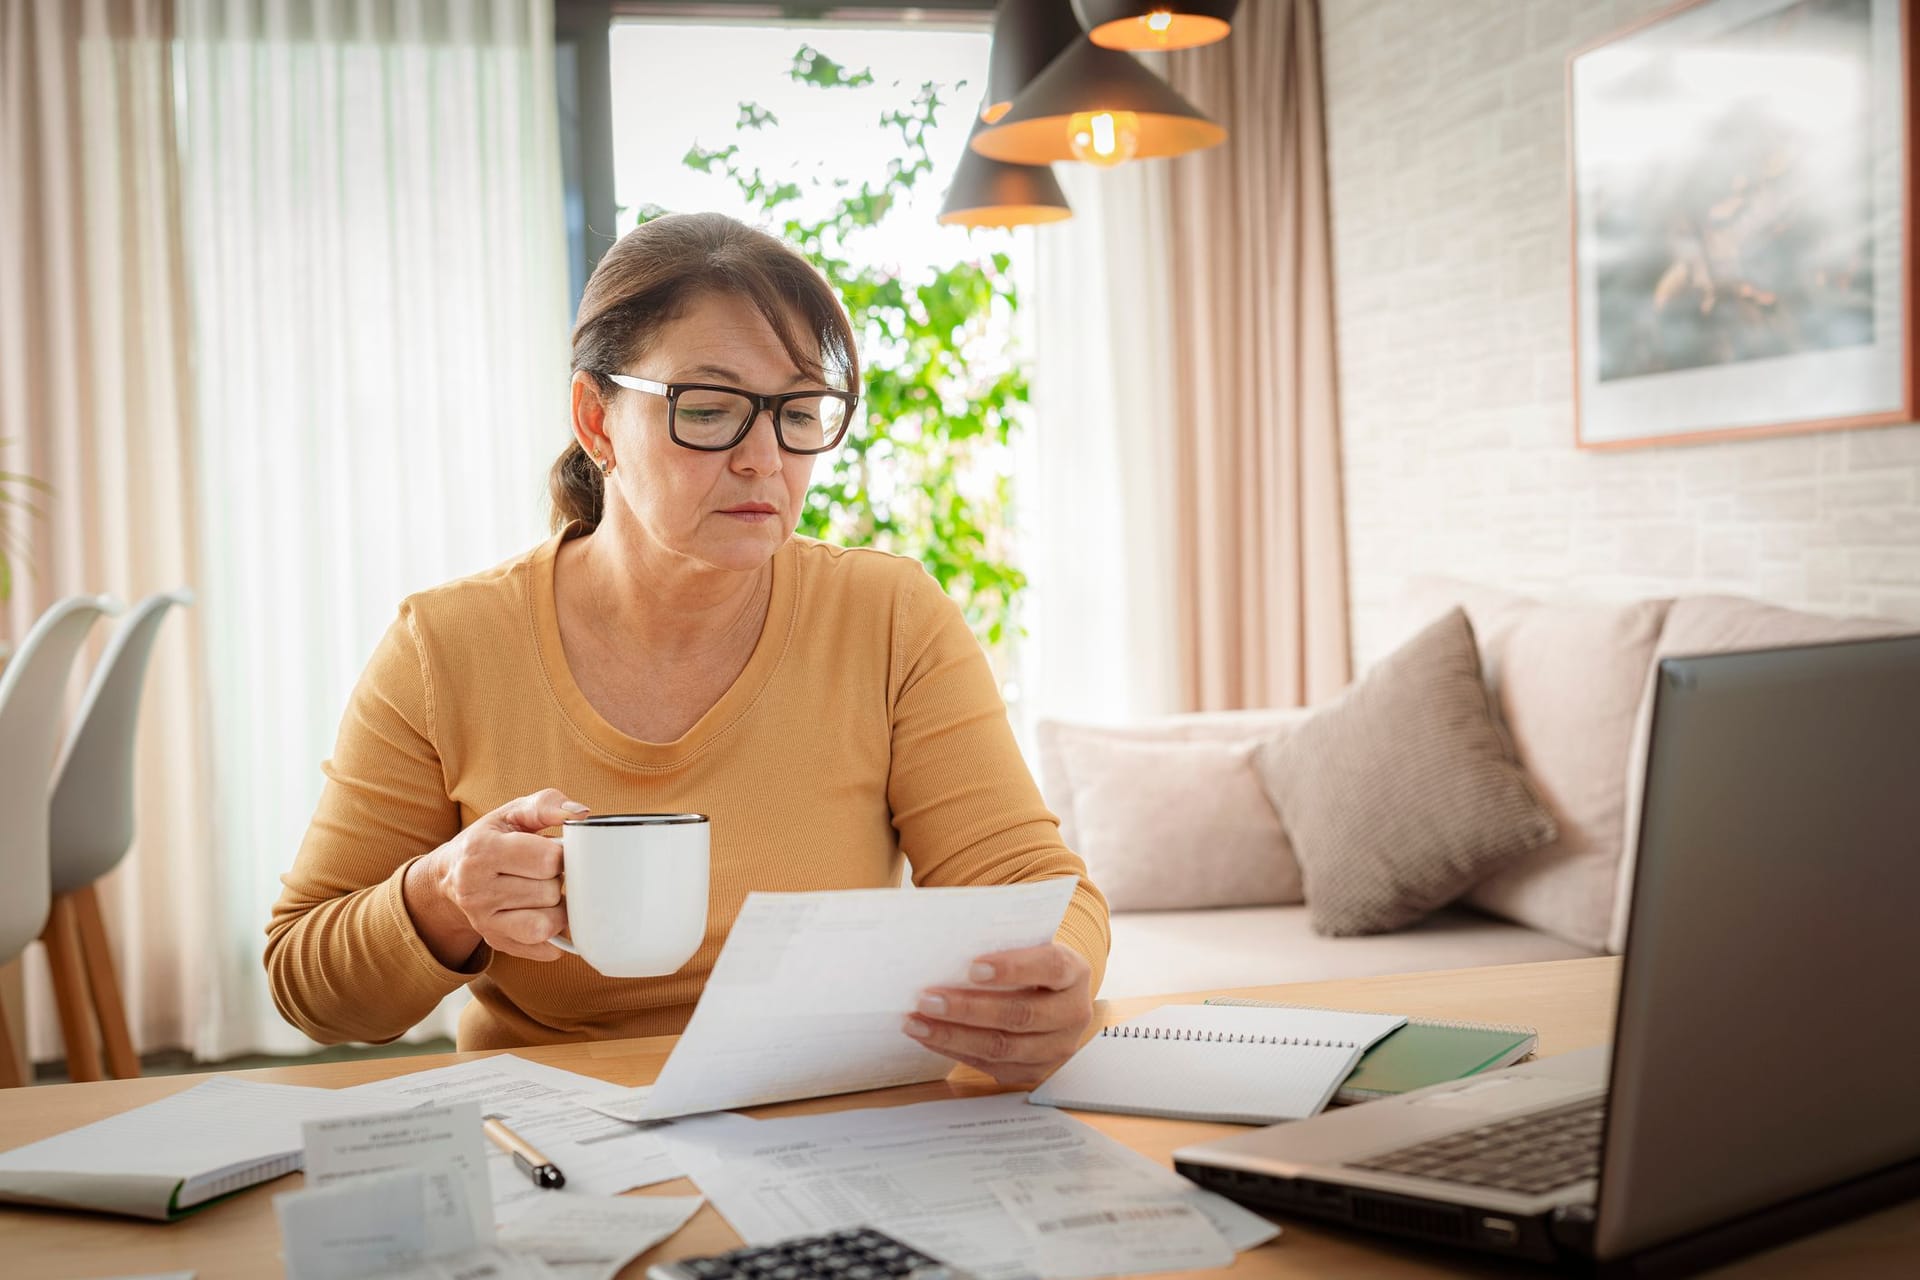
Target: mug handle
(560,940)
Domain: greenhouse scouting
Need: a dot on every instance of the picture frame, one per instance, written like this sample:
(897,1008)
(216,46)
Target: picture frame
(1740,183)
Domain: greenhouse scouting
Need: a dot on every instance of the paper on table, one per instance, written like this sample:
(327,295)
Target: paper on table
(359,1226)
(215,1137)
(550,1109)
(829,978)
(459,1208)
(581,1238)
(924,1173)
(489,1263)
(1101,1226)
(624,1106)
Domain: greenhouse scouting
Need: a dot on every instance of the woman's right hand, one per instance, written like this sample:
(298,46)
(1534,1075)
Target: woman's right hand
(497,882)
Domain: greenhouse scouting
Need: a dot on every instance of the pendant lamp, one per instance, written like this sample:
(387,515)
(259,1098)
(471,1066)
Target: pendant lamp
(1100,106)
(992,193)
(1156,24)
(1027,35)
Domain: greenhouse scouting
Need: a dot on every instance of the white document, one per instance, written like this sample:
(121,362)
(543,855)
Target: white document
(550,1109)
(625,1105)
(925,1173)
(357,1227)
(488,1263)
(156,1160)
(444,1142)
(828,978)
(1098,1226)
(582,1238)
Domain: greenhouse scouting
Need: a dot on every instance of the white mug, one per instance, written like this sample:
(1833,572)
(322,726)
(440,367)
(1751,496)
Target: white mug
(636,890)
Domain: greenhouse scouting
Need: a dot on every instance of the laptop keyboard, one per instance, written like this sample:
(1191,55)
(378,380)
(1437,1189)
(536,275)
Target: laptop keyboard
(1528,1154)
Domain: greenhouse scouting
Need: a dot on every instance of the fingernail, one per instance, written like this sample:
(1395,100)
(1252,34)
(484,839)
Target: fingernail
(574,806)
(934,1006)
(917,1029)
(981,973)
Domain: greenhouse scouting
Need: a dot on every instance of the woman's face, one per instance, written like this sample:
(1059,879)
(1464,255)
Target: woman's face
(729,510)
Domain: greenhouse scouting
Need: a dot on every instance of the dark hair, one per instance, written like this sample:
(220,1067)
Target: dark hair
(649,277)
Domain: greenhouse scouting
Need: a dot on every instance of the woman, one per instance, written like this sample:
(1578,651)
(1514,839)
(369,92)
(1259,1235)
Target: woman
(674,647)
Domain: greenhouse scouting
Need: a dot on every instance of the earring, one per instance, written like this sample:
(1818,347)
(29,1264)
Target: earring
(606,468)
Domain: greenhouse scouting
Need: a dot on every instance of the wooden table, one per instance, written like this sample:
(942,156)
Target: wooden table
(1570,1001)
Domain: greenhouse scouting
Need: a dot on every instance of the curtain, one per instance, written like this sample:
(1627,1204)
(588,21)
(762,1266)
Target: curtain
(372,205)
(284,320)
(1260,531)
(1183,515)
(1095,469)
(96,401)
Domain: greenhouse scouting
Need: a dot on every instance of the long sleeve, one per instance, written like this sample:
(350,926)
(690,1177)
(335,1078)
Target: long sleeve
(963,800)
(343,956)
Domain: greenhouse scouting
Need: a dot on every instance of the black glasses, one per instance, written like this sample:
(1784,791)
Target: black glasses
(714,418)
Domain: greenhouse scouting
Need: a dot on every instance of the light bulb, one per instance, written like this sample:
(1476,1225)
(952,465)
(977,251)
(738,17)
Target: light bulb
(1159,20)
(1104,138)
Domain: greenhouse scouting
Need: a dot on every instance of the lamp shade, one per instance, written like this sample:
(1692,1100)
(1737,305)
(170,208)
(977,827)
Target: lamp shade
(1027,35)
(1098,105)
(992,193)
(1156,24)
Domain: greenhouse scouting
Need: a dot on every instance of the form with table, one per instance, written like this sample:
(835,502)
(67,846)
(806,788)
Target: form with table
(1570,1002)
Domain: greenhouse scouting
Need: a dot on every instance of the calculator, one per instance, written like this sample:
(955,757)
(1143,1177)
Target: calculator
(859,1254)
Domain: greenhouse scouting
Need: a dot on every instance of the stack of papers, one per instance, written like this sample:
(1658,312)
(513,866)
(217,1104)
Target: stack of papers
(551,1109)
(409,1194)
(994,1186)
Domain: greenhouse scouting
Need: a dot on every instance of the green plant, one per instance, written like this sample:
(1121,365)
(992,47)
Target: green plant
(920,474)
(14,491)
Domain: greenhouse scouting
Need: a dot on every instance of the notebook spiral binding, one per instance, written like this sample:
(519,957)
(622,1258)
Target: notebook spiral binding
(1220,1037)
(1505,1028)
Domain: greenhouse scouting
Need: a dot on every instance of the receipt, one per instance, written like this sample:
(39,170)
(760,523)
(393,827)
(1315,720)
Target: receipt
(444,1142)
(358,1227)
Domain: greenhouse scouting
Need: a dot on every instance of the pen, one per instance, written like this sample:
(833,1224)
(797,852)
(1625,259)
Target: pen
(536,1166)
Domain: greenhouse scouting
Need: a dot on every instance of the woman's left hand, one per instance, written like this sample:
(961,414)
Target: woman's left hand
(1022,1021)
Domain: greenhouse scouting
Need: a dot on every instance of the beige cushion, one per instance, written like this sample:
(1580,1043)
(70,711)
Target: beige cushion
(1568,680)
(1403,793)
(1718,624)
(1168,825)
(1165,952)
(1570,683)
(1052,736)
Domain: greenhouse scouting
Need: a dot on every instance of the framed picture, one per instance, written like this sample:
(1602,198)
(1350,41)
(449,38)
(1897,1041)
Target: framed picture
(1743,222)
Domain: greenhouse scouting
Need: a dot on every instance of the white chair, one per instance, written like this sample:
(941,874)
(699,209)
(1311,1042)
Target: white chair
(92,828)
(33,688)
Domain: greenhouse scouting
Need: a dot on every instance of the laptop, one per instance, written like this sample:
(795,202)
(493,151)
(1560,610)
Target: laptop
(1763,1068)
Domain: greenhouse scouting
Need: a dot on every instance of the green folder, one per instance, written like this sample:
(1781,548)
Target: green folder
(1423,1053)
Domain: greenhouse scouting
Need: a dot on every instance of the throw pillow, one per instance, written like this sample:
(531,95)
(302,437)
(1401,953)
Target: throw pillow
(1403,794)
(1175,825)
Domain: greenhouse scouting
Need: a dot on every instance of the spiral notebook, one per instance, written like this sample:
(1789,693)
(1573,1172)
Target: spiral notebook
(1213,1062)
(1422,1053)
(167,1157)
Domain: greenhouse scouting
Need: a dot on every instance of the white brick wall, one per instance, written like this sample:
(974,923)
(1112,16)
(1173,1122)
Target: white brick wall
(1446,147)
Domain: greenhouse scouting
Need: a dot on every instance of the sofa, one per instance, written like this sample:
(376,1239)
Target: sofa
(1570,683)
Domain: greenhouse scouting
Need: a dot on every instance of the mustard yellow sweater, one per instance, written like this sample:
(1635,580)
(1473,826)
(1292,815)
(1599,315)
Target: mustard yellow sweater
(866,726)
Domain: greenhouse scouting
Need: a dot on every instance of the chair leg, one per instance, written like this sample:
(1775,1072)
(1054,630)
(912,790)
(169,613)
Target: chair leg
(105,985)
(62,937)
(10,1056)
